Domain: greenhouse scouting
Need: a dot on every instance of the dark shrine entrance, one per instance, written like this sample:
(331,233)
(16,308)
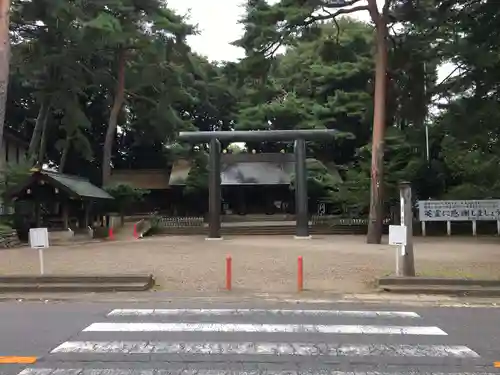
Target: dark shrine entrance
(214,166)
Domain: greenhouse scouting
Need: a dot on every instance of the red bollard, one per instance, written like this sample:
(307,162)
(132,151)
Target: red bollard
(111,236)
(135,231)
(300,274)
(229,272)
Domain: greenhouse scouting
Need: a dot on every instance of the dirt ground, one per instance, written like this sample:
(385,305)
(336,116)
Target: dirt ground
(338,264)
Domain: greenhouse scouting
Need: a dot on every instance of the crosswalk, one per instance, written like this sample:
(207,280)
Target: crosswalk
(256,341)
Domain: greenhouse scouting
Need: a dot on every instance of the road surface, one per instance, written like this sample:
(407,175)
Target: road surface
(211,339)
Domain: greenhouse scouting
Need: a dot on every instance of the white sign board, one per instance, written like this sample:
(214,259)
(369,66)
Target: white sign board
(488,210)
(39,238)
(397,235)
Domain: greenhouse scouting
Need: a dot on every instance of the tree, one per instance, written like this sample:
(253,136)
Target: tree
(4,59)
(321,183)
(124,196)
(267,27)
(47,46)
(197,179)
(13,175)
(168,88)
(126,28)
(320,82)
(196,184)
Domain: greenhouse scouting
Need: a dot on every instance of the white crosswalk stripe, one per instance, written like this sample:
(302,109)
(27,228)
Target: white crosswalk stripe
(264,328)
(253,312)
(218,332)
(43,371)
(252,348)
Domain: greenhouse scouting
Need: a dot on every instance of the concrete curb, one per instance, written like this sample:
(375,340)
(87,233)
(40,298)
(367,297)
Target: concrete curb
(253,299)
(75,283)
(441,286)
(418,280)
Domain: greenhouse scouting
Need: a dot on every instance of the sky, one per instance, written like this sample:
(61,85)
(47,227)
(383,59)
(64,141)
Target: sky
(218,26)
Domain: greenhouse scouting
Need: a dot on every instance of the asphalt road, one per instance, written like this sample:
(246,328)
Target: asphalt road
(209,339)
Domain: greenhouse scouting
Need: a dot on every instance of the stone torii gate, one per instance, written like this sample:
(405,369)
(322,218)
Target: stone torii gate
(214,186)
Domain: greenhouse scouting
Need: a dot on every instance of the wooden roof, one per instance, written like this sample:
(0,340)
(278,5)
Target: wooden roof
(74,186)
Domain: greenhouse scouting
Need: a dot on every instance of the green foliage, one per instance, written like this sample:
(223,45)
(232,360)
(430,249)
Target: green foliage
(197,179)
(320,82)
(125,195)
(13,175)
(65,52)
(321,183)
(64,55)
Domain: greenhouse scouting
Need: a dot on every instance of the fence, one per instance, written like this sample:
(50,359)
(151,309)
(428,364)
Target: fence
(177,222)
(159,222)
(333,220)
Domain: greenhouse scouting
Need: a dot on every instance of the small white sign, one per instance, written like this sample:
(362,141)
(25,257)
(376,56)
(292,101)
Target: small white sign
(39,238)
(397,235)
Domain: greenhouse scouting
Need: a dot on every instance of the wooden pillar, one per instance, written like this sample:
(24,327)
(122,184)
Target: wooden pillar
(38,213)
(241,196)
(38,209)
(65,213)
(86,215)
(301,197)
(214,191)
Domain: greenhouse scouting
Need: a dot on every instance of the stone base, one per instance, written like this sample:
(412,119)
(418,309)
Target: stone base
(302,237)
(214,239)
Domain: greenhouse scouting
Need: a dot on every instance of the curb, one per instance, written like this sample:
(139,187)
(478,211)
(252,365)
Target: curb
(75,283)
(440,286)
(238,299)
(436,281)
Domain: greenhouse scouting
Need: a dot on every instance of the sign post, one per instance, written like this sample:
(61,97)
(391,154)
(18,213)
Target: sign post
(397,237)
(406,259)
(39,239)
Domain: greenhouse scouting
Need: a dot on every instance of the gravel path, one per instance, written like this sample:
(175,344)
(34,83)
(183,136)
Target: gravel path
(339,264)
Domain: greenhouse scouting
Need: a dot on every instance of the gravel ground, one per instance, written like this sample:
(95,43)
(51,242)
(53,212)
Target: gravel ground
(338,264)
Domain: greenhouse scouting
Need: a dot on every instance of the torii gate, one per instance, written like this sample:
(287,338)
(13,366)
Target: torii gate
(214,186)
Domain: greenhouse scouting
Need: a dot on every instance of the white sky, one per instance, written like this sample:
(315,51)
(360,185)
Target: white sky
(218,25)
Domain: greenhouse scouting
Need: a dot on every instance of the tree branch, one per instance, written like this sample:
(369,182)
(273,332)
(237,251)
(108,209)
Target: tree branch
(449,75)
(346,3)
(330,15)
(337,26)
(373,10)
(273,46)
(386,7)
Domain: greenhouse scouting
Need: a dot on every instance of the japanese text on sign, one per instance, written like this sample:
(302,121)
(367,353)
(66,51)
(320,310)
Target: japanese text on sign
(459,210)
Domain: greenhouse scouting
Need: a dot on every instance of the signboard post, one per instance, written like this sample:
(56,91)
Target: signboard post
(397,237)
(402,235)
(39,239)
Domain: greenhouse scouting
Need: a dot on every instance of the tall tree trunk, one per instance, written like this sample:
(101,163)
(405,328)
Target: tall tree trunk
(43,142)
(379,116)
(113,117)
(4,61)
(41,121)
(64,155)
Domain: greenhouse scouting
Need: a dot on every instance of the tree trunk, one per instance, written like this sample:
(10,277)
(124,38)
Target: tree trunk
(43,142)
(4,61)
(64,155)
(379,116)
(119,96)
(41,121)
